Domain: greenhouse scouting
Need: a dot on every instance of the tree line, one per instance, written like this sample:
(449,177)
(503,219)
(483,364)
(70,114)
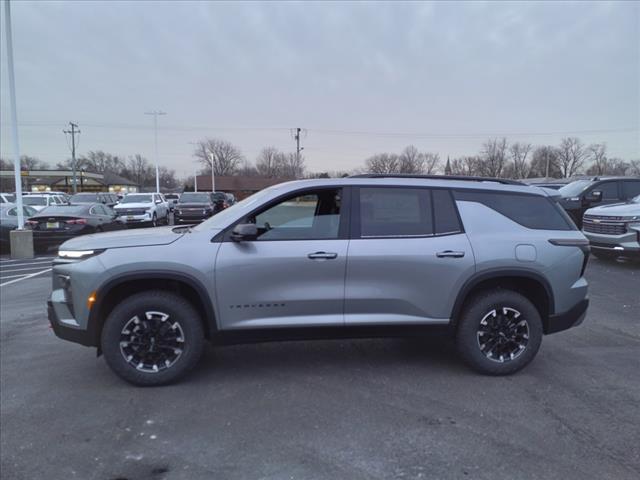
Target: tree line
(499,158)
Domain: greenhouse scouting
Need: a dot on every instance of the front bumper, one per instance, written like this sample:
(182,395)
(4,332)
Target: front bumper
(64,328)
(189,218)
(134,219)
(563,321)
(625,244)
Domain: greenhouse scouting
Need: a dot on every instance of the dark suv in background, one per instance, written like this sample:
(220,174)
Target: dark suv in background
(194,207)
(580,195)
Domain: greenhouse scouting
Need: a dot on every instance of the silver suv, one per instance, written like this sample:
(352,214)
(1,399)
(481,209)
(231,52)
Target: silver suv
(494,262)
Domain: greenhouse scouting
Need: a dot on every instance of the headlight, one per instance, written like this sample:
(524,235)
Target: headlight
(77,254)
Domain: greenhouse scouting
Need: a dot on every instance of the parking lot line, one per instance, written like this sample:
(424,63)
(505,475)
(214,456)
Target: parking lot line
(25,277)
(40,262)
(23,269)
(2,262)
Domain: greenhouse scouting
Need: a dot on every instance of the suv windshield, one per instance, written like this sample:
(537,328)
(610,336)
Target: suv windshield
(31,200)
(84,198)
(194,198)
(137,199)
(574,188)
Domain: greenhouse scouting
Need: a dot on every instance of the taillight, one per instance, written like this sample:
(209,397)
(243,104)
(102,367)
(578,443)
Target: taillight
(77,221)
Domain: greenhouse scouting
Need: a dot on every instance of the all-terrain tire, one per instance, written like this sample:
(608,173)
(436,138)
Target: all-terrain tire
(499,332)
(178,344)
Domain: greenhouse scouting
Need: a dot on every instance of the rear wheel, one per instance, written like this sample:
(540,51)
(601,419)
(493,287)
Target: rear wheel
(499,332)
(152,338)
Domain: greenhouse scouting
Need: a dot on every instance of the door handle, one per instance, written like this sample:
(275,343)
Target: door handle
(450,254)
(322,255)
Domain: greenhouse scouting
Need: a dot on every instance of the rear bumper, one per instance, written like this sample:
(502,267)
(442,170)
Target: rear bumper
(571,318)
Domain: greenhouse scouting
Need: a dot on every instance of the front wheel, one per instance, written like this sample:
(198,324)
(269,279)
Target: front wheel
(499,332)
(154,220)
(152,338)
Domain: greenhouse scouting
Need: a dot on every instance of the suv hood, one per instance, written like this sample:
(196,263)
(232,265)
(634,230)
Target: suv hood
(124,238)
(136,205)
(616,209)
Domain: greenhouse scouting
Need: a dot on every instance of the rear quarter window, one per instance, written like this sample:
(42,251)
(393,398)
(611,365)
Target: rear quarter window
(531,211)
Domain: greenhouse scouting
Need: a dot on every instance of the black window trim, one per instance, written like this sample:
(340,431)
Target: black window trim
(343,228)
(355,213)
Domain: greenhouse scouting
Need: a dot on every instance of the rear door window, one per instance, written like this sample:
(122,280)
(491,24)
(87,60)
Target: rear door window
(446,220)
(630,188)
(395,212)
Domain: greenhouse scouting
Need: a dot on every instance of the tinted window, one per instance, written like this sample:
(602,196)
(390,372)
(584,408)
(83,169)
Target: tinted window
(137,199)
(30,200)
(530,211)
(395,212)
(314,215)
(609,190)
(630,188)
(446,216)
(66,209)
(84,198)
(195,198)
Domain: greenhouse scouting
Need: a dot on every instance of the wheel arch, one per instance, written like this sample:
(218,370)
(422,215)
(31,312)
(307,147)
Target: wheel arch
(108,294)
(529,283)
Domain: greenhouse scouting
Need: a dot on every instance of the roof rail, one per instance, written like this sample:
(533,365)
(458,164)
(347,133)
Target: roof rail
(504,181)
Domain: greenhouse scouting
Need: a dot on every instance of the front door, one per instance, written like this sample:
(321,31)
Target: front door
(293,273)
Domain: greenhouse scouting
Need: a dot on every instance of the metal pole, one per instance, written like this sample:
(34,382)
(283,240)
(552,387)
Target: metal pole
(213,174)
(547,174)
(195,180)
(155,114)
(14,115)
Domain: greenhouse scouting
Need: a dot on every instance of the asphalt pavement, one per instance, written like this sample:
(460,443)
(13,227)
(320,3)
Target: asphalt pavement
(338,409)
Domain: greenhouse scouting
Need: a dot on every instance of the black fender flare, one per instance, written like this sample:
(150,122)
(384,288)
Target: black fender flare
(95,323)
(497,273)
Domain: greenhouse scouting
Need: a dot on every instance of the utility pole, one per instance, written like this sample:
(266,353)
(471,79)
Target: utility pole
(296,136)
(155,114)
(73,132)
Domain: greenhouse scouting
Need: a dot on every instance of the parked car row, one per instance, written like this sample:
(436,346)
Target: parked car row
(607,209)
(55,219)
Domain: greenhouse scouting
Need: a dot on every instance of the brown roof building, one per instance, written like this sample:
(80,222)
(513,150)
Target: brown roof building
(240,186)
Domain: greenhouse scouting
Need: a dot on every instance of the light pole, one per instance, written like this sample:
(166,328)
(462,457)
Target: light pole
(14,115)
(155,114)
(213,173)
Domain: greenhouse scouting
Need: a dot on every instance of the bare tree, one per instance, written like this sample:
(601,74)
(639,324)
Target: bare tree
(383,163)
(571,156)
(32,163)
(493,157)
(597,154)
(139,170)
(518,153)
(292,166)
(543,158)
(101,162)
(467,166)
(634,167)
(431,163)
(270,162)
(227,158)
(411,161)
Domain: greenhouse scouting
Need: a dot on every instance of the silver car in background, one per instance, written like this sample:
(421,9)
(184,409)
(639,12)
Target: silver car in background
(495,263)
(614,230)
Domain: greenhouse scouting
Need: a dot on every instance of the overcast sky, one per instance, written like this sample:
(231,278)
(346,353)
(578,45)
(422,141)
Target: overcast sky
(361,77)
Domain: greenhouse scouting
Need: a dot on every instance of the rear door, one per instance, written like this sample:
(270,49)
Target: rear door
(408,256)
(293,273)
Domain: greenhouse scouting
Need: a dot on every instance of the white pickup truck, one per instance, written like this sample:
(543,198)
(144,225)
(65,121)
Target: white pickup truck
(143,208)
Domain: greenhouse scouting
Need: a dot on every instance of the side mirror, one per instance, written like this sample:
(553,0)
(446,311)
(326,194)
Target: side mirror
(244,231)
(594,196)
